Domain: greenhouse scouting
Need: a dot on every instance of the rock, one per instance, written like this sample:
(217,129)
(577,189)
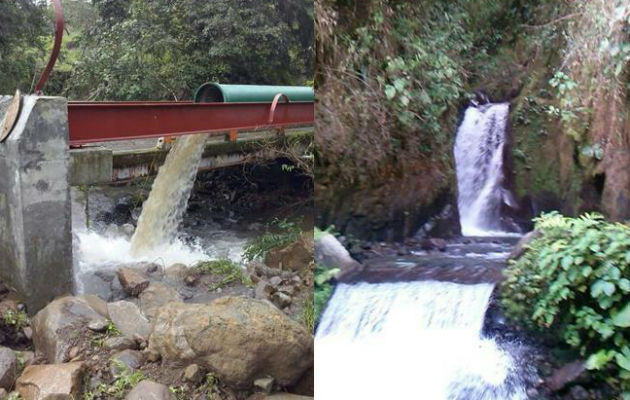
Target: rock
(128,230)
(132,359)
(149,390)
(155,296)
(8,365)
(51,381)
(521,246)
(331,254)
(99,305)
(128,319)
(275,281)
(28,332)
(565,375)
(306,385)
(119,343)
(98,325)
(191,279)
(7,305)
(294,257)
(176,272)
(278,396)
(3,394)
(280,299)
(56,325)
(133,283)
(26,357)
(433,244)
(193,374)
(578,392)
(238,338)
(264,384)
(263,290)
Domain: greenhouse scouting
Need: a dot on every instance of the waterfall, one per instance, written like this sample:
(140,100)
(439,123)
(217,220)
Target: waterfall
(162,212)
(479,149)
(412,340)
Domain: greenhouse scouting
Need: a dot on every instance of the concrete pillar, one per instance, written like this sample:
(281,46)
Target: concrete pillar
(35,216)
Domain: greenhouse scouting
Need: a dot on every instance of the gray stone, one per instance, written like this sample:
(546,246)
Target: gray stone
(119,343)
(156,296)
(565,375)
(8,364)
(193,373)
(263,290)
(522,244)
(281,300)
(132,282)
(149,390)
(132,359)
(128,230)
(264,384)
(128,319)
(51,381)
(35,216)
(98,325)
(55,327)
(90,165)
(175,273)
(331,254)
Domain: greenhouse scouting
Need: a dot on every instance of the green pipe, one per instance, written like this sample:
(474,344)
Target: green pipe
(211,92)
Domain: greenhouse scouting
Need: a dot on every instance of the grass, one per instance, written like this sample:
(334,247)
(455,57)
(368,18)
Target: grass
(124,380)
(226,270)
(280,232)
(308,314)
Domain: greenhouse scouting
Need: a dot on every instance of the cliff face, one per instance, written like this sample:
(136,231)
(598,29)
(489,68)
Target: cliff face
(386,127)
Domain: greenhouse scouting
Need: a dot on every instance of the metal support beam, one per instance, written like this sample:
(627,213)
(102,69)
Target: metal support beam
(91,122)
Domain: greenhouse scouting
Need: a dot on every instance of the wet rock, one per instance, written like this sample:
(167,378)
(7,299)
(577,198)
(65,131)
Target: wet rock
(191,279)
(175,273)
(149,390)
(521,246)
(193,374)
(51,382)
(56,325)
(132,359)
(433,244)
(295,256)
(236,337)
(155,296)
(565,375)
(119,343)
(264,384)
(132,282)
(128,319)
(331,254)
(8,364)
(127,230)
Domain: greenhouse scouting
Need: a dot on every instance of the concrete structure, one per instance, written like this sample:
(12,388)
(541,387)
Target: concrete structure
(35,219)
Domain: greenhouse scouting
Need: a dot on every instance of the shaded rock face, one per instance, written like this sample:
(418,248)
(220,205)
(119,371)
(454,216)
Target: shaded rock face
(239,339)
(128,319)
(8,365)
(56,327)
(51,382)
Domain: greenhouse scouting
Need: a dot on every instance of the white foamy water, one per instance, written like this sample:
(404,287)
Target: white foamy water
(162,212)
(479,148)
(413,340)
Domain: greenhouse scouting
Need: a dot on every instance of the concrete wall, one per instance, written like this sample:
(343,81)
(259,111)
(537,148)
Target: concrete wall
(35,219)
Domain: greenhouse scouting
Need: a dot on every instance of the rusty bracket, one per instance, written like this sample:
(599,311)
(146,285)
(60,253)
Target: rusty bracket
(55,51)
(11,116)
(272,110)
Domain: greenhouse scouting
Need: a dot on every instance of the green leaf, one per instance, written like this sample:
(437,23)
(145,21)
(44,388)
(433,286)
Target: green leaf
(622,318)
(623,361)
(390,92)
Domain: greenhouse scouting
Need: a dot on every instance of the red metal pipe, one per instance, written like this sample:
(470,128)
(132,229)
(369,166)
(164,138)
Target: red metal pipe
(56,47)
(91,122)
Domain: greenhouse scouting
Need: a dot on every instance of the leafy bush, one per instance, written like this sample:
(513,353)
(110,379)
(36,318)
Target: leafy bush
(280,232)
(573,282)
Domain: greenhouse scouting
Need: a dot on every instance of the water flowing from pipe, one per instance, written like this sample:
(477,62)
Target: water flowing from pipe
(479,149)
(162,212)
(412,340)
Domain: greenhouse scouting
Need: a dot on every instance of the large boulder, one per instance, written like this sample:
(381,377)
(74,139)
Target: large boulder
(238,338)
(149,390)
(127,317)
(8,365)
(155,296)
(295,256)
(132,281)
(51,382)
(331,254)
(56,327)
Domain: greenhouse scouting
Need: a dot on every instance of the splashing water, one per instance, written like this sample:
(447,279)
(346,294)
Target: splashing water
(478,152)
(162,212)
(414,340)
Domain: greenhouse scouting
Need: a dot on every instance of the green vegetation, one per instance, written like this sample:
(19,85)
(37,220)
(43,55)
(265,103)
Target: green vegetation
(226,270)
(16,319)
(124,380)
(572,283)
(323,289)
(158,49)
(308,314)
(280,232)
